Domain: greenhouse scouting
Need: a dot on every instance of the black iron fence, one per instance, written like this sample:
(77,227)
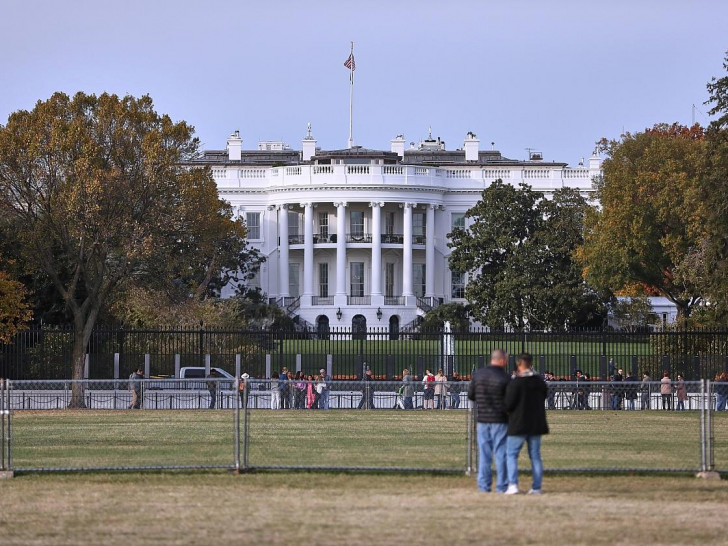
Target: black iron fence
(45,353)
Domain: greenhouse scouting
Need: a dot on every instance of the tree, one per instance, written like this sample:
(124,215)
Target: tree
(715,196)
(651,215)
(456,313)
(14,308)
(100,198)
(517,251)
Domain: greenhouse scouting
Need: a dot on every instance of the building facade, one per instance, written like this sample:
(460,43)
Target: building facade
(358,237)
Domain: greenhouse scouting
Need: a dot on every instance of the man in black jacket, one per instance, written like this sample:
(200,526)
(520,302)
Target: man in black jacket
(524,402)
(488,390)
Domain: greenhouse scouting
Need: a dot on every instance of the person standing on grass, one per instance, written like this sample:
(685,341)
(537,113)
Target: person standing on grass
(212,385)
(310,392)
(525,403)
(440,389)
(408,390)
(453,384)
(645,391)
(681,393)
(324,403)
(428,396)
(284,395)
(244,390)
(488,389)
(367,392)
(721,391)
(631,390)
(135,386)
(666,390)
(617,390)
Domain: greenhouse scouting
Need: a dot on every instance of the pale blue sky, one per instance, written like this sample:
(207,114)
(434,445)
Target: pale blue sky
(554,75)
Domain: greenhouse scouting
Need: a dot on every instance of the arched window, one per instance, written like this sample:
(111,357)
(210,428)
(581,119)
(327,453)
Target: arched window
(322,327)
(359,327)
(394,327)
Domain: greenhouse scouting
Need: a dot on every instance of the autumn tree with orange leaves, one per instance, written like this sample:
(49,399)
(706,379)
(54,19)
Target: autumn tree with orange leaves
(647,236)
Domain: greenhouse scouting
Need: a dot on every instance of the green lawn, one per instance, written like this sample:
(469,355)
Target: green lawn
(382,438)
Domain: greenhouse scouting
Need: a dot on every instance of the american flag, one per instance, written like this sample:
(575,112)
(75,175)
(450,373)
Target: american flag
(349,63)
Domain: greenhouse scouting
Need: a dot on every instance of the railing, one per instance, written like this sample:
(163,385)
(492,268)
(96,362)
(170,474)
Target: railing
(394,300)
(252,173)
(428,303)
(575,173)
(322,300)
(323,169)
(496,173)
(458,173)
(419,239)
(320,239)
(292,304)
(537,173)
(392,238)
(293,171)
(358,300)
(393,169)
(295,239)
(357,169)
(358,237)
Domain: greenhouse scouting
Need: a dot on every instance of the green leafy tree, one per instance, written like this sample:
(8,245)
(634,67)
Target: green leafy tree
(456,313)
(517,252)
(651,216)
(100,198)
(715,197)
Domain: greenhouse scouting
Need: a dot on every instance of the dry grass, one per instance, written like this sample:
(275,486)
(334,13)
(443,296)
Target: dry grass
(356,509)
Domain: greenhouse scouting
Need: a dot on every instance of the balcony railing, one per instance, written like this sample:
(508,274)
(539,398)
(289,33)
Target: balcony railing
(322,300)
(394,300)
(392,238)
(358,237)
(418,239)
(318,238)
(358,300)
(295,239)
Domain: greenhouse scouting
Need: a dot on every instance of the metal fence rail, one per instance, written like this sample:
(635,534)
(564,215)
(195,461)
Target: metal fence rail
(45,353)
(244,434)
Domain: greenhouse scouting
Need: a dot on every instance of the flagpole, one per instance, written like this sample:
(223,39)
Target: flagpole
(351,98)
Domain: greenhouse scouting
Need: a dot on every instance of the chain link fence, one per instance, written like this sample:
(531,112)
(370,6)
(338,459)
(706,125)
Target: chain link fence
(344,425)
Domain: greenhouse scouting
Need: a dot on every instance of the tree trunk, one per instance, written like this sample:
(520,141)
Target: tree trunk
(78,359)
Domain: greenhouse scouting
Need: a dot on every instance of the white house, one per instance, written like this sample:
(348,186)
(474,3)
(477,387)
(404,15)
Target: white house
(358,237)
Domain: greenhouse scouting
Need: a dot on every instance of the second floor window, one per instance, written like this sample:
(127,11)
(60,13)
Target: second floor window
(457,285)
(357,223)
(324,225)
(252,224)
(357,279)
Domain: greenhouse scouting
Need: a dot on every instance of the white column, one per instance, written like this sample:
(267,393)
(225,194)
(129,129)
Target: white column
(407,254)
(283,251)
(340,296)
(430,252)
(376,289)
(307,253)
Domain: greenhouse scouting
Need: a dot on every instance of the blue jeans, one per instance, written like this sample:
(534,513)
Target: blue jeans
(407,402)
(324,402)
(616,401)
(720,402)
(454,400)
(514,445)
(492,445)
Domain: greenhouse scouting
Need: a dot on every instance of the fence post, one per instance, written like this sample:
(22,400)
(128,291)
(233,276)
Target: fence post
(703,404)
(86,366)
(2,425)
(469,441)
(709,430)
(329,365)
(238,359)
(147,365)
(267,366)
(207,365)
(298,362)
(236,387)
(116,365)
(177,362)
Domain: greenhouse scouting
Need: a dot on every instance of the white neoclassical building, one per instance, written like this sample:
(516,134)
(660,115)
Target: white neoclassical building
(358,237)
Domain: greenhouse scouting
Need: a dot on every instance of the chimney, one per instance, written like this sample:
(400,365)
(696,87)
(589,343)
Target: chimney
(595,164)
(398,145)
(308,146)
(472,147)
(235,146)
